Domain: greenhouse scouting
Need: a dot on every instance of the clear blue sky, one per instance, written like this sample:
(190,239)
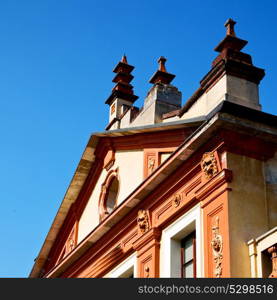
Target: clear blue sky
(56,61)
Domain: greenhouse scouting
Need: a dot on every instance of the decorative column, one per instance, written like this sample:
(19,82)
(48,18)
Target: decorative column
(147,246)
(217,247)
(214,203)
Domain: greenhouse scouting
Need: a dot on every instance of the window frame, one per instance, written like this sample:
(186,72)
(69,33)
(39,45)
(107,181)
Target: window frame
(124,268)
(170,262)
(257,248)
(103,211)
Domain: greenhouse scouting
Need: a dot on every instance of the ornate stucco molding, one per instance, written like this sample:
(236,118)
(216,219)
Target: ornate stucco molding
(217,246)
(176,200)
(151,164)
(209,164)
(143,221)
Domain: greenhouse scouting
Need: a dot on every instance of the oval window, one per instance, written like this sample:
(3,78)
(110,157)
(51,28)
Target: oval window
(112,192)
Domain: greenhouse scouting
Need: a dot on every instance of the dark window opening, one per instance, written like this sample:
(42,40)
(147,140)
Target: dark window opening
(266,264)
(188,256)
(124,108)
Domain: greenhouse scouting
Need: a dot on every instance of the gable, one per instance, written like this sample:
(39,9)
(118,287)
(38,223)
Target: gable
(129,166)
(125,151)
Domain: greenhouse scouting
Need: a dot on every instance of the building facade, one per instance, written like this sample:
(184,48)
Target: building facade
(170,190)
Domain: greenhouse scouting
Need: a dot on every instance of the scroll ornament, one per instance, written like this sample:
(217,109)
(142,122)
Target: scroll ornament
(217,246)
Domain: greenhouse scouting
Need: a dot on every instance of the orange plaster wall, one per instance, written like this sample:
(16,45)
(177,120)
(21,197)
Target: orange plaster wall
(216,208)
(148,254)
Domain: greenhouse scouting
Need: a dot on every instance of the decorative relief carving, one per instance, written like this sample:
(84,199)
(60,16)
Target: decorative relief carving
(209,164)
(143,221)
(151,164)
(71,241)
(273,251)
(176,200)
(217,246)
(71,244)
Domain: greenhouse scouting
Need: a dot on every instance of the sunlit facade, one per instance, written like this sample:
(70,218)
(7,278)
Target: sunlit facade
(172,190)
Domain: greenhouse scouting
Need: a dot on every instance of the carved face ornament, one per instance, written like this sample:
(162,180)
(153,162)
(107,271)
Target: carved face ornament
(217,244)
(142,220)
(208,164)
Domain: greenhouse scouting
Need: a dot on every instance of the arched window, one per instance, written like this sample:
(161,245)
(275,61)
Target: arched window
(109,193)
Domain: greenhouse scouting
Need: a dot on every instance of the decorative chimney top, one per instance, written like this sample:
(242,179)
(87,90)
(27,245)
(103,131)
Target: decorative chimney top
(161,62)
(230,25)
(124,59)
(234,64)
(231,58)
(123,89)
(230,41)
(162,76)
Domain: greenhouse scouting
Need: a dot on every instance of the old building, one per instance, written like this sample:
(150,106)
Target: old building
(170,190)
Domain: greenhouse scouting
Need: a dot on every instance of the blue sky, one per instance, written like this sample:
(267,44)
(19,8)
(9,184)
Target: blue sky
(56,61)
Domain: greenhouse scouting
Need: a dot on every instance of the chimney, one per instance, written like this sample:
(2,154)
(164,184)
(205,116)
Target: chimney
(242,78)
(233,78)
(162,97)
(122,96)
